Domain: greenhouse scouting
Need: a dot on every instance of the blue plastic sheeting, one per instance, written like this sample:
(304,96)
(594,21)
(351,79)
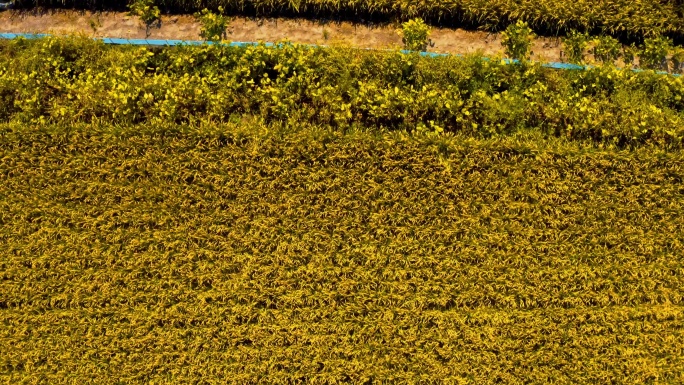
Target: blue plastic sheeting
(24,35)
(115,41)
(157,43)
(568,66)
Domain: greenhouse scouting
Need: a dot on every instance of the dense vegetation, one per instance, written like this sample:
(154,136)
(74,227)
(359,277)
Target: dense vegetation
(79,80)
(245,253)
(258,215)
(623,17)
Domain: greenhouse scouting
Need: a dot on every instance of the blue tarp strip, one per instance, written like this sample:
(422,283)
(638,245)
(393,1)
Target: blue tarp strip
(153,42)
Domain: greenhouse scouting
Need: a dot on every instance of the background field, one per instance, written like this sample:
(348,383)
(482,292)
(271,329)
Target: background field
(246,253)
(628,19)
(299,30)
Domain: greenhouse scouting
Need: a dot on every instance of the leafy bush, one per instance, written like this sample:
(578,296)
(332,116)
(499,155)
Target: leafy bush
(574,46)
(678,59)
(213,25)
(606,49)
(517,41)
(654,52)
(148,13)
(415,35)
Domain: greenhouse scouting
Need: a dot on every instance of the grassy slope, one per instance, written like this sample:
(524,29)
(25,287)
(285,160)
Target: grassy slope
(246,254)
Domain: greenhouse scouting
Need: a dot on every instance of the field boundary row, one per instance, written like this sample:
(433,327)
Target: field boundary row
(163,43)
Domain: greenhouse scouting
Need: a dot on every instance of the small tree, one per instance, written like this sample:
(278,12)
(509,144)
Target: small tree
(147,12)
(574,46)
(606,49)
(213,25)
(629,53)
(95,24)
(677,60)
(653,53)
(415,35)
(517,41)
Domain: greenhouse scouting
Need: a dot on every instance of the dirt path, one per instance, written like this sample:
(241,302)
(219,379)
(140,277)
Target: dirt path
(184,27)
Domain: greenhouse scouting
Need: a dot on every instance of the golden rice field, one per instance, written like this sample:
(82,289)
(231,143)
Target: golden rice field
(281,254)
